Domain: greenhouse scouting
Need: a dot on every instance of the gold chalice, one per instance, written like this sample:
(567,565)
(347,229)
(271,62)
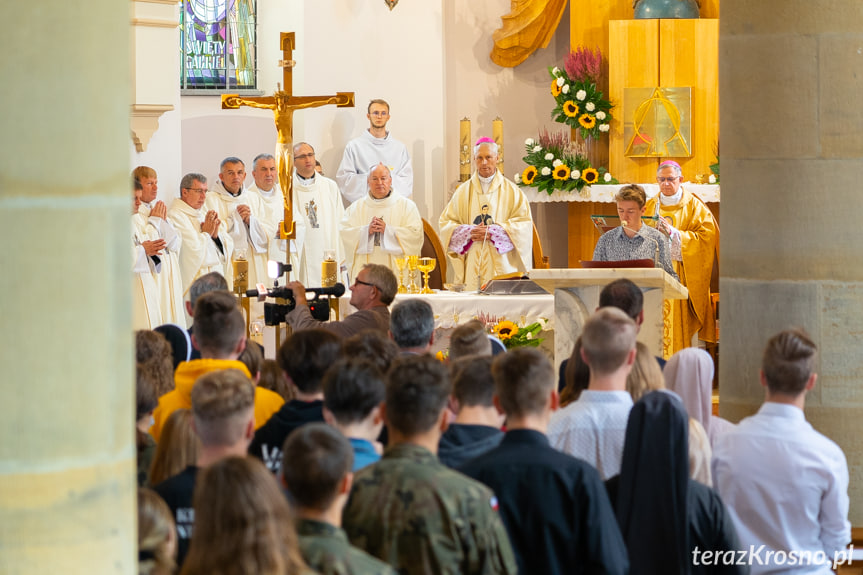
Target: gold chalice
(426,266)
(413,262)
(400,264)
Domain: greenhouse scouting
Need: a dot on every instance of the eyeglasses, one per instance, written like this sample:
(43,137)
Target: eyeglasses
(197,190)
(671,179)
(361,282)
(304,156)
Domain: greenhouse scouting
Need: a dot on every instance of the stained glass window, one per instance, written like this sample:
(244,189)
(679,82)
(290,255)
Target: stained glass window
(218,45)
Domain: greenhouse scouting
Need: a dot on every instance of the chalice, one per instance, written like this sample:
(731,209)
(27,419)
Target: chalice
(413,262)
(400,264)
(426,266)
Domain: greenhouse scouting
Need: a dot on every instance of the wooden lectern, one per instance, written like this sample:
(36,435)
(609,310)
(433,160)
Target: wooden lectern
(576,297)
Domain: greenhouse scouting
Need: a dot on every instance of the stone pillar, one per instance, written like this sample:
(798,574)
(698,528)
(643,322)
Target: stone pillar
(790,77)
(67,484)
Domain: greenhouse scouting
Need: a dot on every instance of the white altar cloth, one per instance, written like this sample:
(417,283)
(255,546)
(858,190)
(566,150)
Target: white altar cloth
(605,193)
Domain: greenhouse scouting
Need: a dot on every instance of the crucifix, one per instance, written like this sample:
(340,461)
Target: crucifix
(283,103)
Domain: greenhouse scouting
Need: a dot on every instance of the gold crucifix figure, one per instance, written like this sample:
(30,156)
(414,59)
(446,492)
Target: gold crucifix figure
(283,103)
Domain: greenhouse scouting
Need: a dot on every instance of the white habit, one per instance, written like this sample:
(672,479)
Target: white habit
(502,253)
(168,277)
(252,240)
(274,212)
(199,254)
(318,211)
(364,152)
(403,235)
(146,312)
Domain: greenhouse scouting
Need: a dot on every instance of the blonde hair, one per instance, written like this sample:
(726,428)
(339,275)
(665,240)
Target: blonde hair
(155,529)
(143,172)
(242,523)
(646,374)
(177,448)
(699,454)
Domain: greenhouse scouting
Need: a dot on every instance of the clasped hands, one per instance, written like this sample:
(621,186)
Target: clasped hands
(377,225)
(211,224)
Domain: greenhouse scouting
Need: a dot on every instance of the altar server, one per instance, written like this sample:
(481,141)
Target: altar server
(146,313)
(374,146)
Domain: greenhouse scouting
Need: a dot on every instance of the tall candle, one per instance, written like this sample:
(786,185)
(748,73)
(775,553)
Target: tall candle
(464,150)
(497,136)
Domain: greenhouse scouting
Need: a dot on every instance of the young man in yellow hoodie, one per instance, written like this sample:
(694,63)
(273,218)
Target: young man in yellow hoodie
(220,335)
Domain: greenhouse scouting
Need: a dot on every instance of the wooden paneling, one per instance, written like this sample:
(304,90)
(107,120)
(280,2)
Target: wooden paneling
(582,234)
(688,51)
(634,62)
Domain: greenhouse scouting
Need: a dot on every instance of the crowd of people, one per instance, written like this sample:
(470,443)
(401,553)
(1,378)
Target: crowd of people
(364,217)
(373,456)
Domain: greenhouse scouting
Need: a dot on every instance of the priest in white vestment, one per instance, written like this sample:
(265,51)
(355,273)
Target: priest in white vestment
(146,312)
(381,226)
(487,228)
(155,225)
(205,246)
(272,198)
(374,146)
(318,211)
(242,215)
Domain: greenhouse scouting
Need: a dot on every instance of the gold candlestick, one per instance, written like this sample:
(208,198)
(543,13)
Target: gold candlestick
(464,150)
(497,136)
(400,264)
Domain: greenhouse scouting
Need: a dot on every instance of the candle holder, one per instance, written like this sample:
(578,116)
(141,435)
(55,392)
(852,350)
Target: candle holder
(426,266)
(401,263)
(413,262)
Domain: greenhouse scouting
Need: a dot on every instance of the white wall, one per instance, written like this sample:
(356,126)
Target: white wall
(428,58)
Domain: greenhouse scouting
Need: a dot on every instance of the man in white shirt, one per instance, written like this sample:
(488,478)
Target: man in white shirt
(594,427)
(785,484)
(272,199)
(372,147)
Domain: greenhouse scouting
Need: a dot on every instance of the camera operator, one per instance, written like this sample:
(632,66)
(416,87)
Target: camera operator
(372,291)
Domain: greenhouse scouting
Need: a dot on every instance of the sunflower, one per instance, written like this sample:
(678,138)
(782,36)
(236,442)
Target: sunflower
(561,172)
(589,175)
(528,175)
(570,108)
(555,89)
(587,121)
(505,330)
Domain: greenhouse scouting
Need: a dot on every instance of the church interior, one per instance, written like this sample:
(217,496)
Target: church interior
(778,78)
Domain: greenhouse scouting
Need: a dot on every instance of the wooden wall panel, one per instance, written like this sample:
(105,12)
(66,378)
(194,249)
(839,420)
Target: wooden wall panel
(688,50)
(634,62)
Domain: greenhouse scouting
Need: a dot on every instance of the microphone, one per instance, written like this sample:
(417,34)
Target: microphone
(337,290)
(655,243)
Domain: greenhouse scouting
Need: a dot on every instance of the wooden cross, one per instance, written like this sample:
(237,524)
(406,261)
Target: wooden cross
(283,103)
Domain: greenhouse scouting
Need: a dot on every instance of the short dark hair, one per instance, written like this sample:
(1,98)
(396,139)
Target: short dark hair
(189,179)
(631,193)
(372,345)
(377,101)
(418,388)
(231,160)
(576,376)
(523,379)
(607,339)
(306,355)
(252,358)
(789,361)
(352,389)
(624,295)
(412,323)
(470,338)
(315,459)
(472,381)
(219,323)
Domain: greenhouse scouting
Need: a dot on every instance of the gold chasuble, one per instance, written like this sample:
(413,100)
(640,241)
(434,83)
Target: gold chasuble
(508,209)
(697,248)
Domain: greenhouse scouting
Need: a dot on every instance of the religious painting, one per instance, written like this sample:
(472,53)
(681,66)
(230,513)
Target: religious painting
(657,122)
(218,45)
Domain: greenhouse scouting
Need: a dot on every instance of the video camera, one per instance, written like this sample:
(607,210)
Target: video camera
(275,313)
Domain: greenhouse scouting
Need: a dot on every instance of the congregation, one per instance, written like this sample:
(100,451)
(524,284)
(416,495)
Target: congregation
(363,453)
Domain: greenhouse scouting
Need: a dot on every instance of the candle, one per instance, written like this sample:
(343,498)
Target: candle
(464,150)
(497,136)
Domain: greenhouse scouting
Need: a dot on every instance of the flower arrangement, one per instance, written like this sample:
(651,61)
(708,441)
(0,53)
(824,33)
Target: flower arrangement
(579,103)
(556,163)
(513,336)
